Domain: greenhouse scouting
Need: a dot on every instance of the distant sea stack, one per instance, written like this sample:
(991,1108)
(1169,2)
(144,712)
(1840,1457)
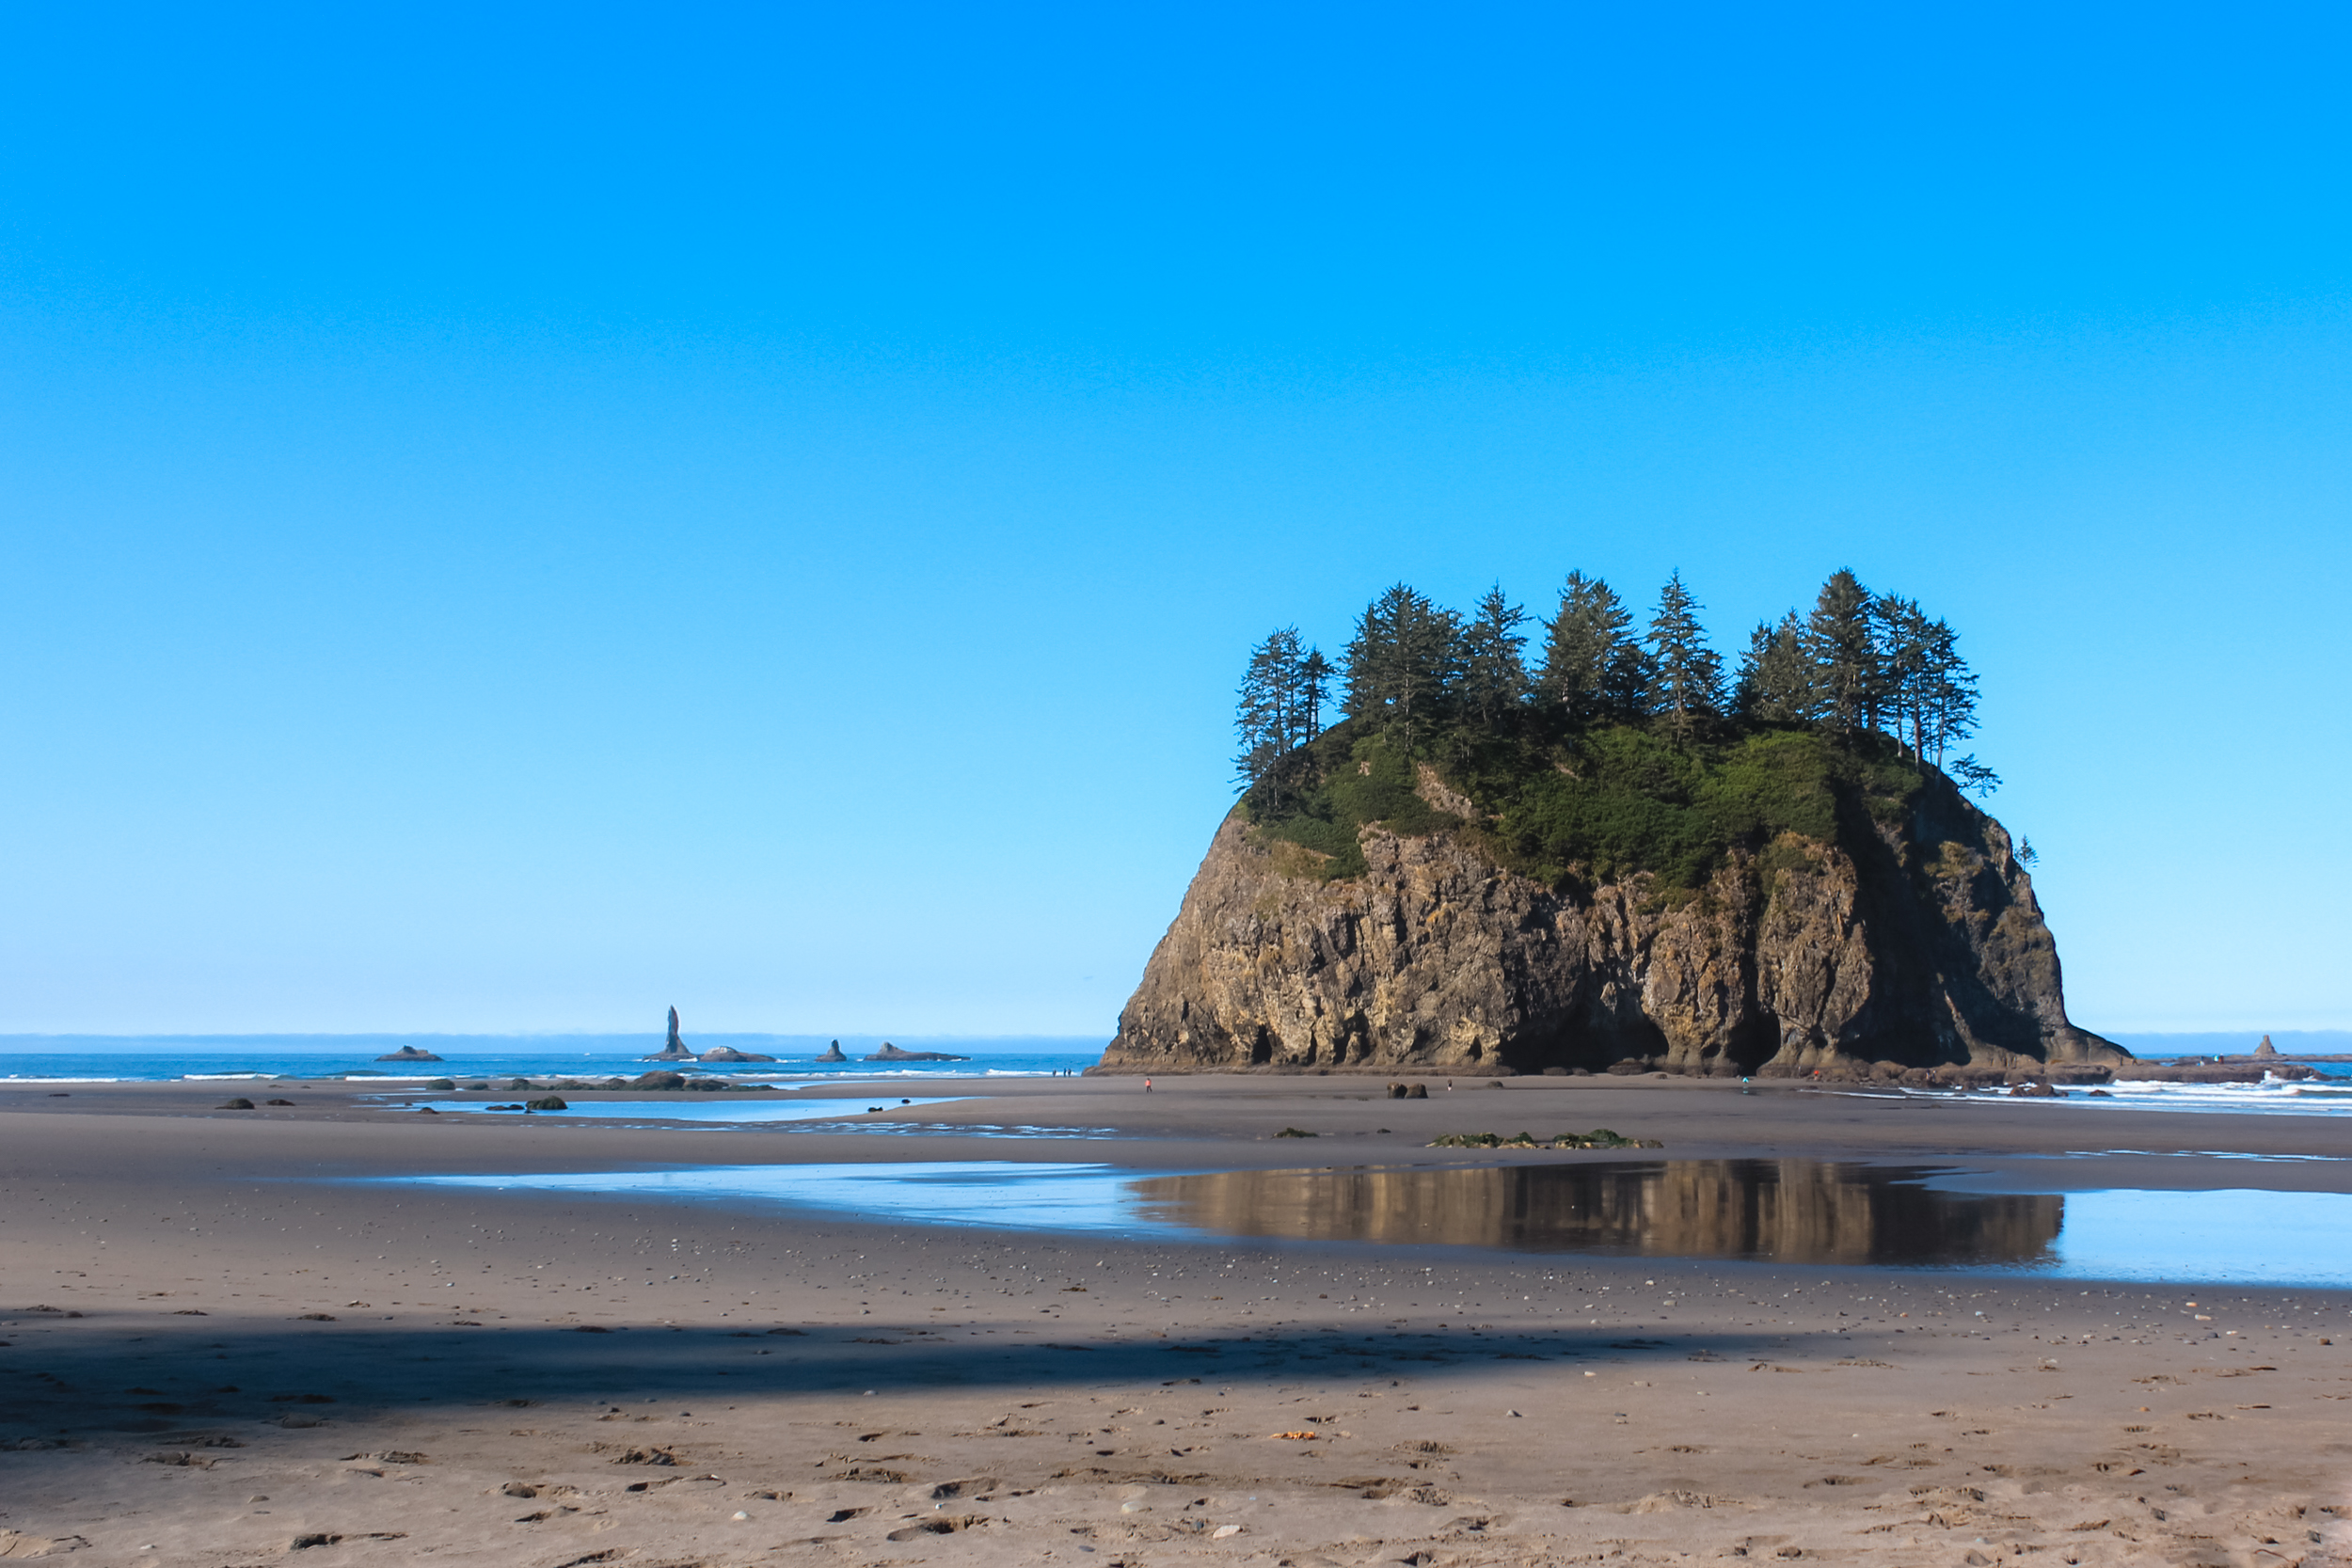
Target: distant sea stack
(728,1053)
(890,1053)
(832,1053)
(408,1054)
(673,1049)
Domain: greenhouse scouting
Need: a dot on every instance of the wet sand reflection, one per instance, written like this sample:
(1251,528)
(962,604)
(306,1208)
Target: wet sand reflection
(1789,1211)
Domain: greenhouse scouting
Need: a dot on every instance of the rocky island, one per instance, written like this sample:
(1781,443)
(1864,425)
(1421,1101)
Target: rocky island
(1613,865)
(408,1054)
(831,1054)
(890,1053)
(728,1053)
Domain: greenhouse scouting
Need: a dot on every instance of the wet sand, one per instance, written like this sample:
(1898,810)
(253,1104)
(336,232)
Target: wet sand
(225,1339)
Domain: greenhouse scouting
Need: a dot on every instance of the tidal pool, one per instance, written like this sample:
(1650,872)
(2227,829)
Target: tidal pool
(682,1108)
(1807,1211)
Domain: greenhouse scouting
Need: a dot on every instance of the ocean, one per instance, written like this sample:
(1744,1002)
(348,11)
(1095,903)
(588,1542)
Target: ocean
(161,1058)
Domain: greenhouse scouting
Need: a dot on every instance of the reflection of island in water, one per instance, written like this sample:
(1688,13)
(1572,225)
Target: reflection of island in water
(1789,1210)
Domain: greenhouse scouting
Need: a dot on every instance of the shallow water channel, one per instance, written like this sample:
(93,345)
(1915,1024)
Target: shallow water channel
(1808,1211)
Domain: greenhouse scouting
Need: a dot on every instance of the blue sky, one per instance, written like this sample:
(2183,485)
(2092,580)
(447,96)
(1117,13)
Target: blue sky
(513,517)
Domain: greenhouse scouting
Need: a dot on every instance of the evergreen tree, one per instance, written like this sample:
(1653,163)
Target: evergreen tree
(1592,669)
(1841,644)
(1494,675)
(1927,692)
(1947,693)
(1279,702)
(1686,675)
(1776,684)
(1403,661)
(1902,633)
(1314,687)
(1972,775)
(1266,713)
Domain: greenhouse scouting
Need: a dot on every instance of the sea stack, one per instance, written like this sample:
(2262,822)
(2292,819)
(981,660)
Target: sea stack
(1855,916)
(410,1053)
(728,1053)
(832,1053)
(890,1053)
(673,1049)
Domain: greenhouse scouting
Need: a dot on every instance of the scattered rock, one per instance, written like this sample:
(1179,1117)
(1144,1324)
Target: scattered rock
(551,1103)
(276,1101)
(516,1489)
(15,1545)
(890,1053)
(238,1104)
(971,1487)
(947,1525)
(658,1081)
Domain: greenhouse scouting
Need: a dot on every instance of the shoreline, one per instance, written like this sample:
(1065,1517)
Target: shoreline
(1037,1389)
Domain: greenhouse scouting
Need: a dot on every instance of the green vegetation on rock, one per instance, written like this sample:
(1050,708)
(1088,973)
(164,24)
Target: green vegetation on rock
(1596,803)
(1622,753)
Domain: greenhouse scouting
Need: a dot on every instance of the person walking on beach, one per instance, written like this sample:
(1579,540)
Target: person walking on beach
(1146,1086)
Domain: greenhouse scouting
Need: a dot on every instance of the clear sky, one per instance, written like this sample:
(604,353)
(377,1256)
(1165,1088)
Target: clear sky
(511,517)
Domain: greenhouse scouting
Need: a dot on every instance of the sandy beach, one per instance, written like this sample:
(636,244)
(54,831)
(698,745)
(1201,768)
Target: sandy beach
(233,1335)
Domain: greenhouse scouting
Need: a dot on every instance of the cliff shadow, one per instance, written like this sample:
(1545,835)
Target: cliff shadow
(95,1383)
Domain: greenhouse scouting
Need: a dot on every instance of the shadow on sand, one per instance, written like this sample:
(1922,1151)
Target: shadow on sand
(92,1377)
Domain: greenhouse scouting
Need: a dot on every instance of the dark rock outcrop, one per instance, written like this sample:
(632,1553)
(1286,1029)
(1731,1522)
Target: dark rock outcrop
(658,1081)
(728,1053)
(1907,945)
(673,1049)
(890,1053)
(832,1053)
(408,1054)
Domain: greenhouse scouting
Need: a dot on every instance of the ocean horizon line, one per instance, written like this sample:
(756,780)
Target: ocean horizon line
(648,1040)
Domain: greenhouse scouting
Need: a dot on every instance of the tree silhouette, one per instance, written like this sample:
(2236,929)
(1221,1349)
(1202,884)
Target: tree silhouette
(1841,640)
(1279,702)
(1686,675)
(1776,684)
(1494,676)
(1402,662)
(1592,669)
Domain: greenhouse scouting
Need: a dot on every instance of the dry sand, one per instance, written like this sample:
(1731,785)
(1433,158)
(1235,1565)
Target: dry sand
(224,1347)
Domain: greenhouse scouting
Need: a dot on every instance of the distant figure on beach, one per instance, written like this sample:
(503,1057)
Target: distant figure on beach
(1146,1086)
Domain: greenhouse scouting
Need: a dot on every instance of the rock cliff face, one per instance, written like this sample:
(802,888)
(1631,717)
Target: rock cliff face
(1915,945)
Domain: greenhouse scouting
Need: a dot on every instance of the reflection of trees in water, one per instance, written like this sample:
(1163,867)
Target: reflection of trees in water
(1796,1210)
